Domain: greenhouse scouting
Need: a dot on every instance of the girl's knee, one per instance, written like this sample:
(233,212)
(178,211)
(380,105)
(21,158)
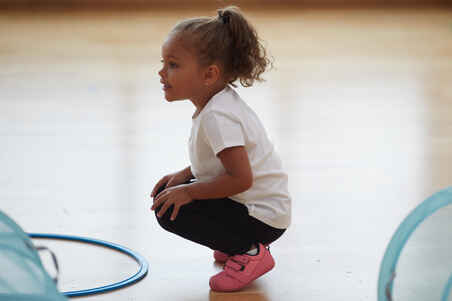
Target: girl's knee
(164,221)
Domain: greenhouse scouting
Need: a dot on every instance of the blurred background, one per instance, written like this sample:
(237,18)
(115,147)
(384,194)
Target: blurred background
(215,3)
(359,106)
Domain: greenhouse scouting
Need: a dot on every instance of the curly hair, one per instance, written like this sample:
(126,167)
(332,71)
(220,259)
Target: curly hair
(228,39)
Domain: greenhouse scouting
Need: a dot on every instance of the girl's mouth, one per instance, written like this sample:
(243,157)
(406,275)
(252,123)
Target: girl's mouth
(165,85)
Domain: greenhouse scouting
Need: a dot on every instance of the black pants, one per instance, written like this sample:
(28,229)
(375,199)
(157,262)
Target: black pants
(220,224)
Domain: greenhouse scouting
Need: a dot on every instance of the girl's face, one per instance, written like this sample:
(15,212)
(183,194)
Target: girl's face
(181,74)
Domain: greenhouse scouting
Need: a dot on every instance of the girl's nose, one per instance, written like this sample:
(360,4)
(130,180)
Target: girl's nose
(161,72)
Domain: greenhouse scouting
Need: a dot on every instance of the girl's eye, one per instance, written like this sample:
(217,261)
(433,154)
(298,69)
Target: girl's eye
(170,64)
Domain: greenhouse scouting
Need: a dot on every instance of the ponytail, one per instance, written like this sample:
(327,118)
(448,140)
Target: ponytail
(230,40)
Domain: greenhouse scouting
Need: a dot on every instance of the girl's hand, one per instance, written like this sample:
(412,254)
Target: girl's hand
(170,180)
(177,196)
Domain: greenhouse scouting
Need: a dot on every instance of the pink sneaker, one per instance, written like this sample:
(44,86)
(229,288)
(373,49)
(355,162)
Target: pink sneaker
(240,270)
(220,256)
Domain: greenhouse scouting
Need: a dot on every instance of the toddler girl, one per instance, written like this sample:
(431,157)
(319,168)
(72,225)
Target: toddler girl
(233,198)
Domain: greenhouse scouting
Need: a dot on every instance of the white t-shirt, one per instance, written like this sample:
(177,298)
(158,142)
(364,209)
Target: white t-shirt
(227,121)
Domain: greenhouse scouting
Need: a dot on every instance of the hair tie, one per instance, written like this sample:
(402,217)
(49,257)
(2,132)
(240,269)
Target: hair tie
(223,17)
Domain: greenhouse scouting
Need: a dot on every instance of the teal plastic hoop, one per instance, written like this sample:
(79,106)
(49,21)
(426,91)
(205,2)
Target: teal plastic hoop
(447,289)
(142,272)
(417,216)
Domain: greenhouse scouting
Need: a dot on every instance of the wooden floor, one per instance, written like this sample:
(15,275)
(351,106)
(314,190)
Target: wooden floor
(359,106)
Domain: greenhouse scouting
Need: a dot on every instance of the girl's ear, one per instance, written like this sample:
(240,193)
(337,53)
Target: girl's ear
(211,75)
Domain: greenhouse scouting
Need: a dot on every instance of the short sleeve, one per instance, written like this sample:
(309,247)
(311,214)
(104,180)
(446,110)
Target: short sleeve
(222,131)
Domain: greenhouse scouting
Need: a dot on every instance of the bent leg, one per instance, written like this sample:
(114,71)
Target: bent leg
(220,224)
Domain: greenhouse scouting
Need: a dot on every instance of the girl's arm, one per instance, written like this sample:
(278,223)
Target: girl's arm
(186,172)
(173,179)
(238,177)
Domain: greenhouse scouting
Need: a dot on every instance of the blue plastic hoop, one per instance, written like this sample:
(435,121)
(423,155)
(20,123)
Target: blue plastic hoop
(142,272)
(400,237)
